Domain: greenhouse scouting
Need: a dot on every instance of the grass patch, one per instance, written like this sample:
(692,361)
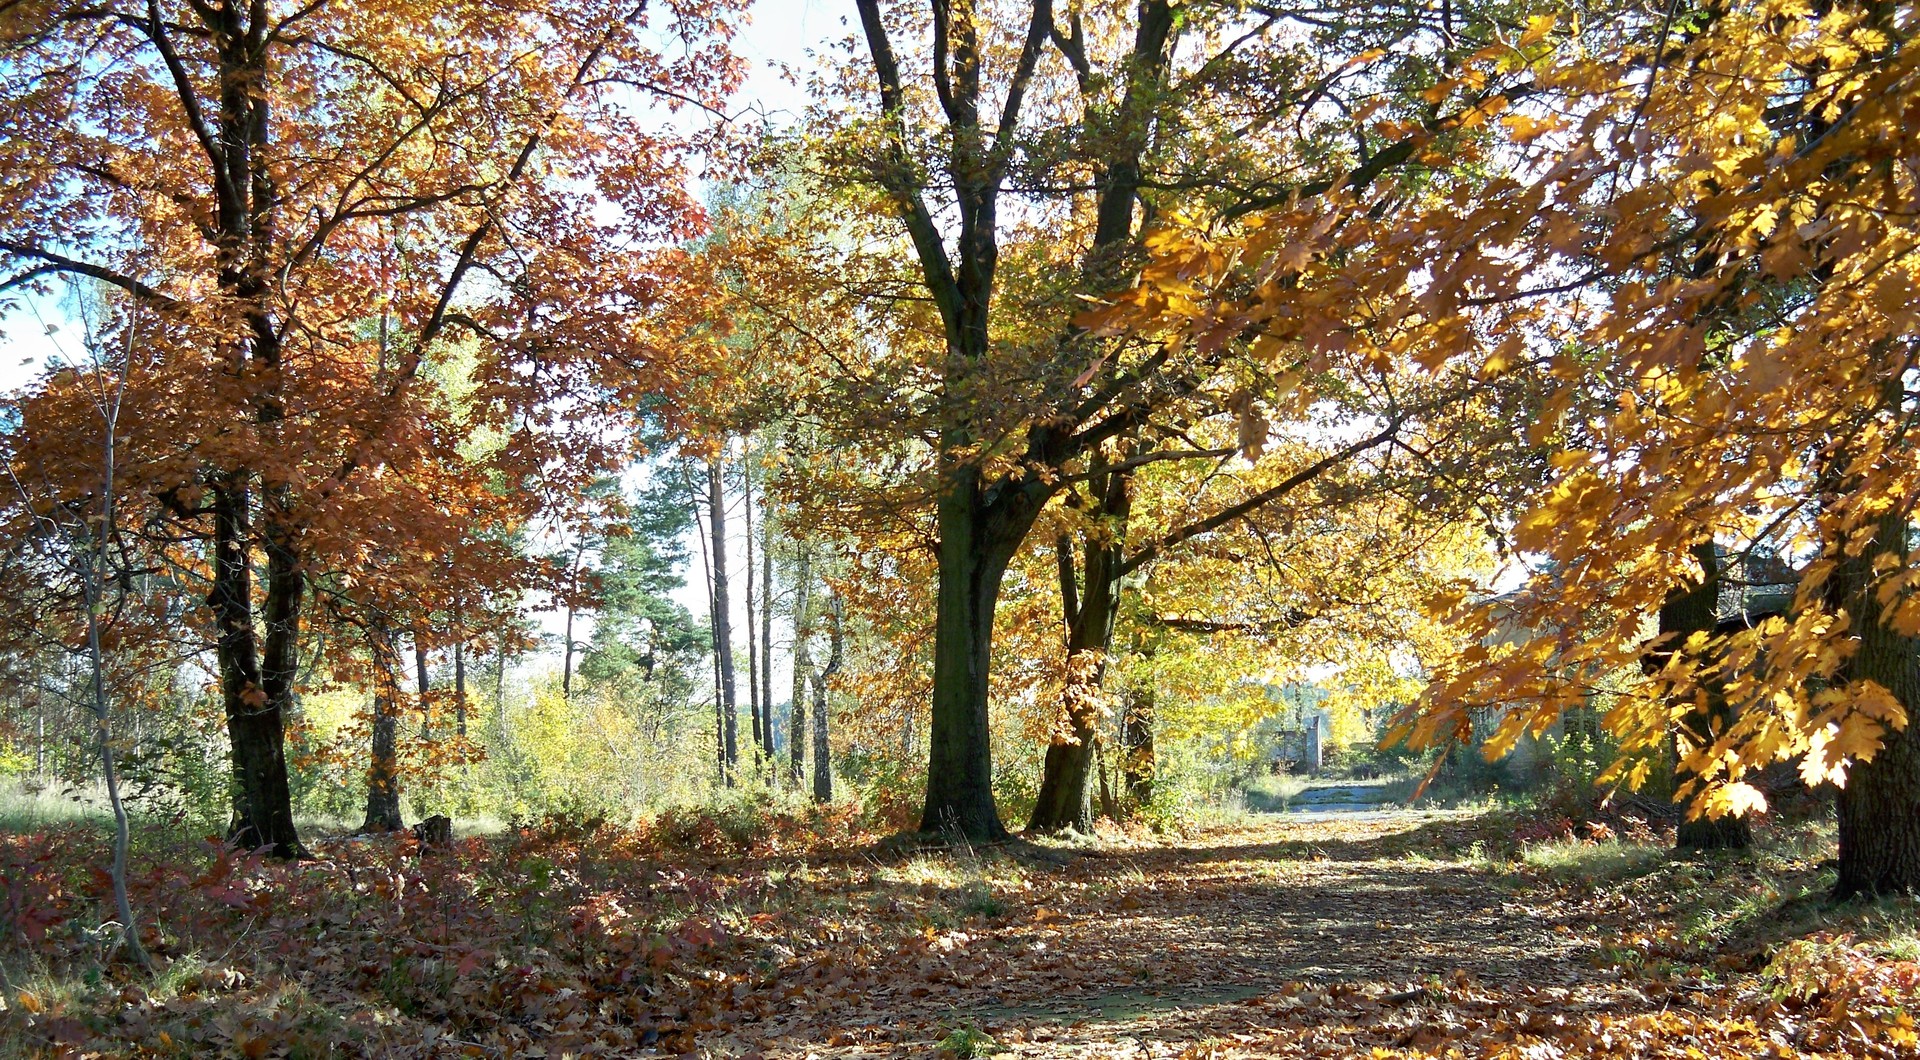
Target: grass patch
(1606,861)
(967,1042)
(27,805)
(1272,794)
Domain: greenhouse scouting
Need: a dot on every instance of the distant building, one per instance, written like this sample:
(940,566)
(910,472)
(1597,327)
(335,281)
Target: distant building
(1302,726)
(1754,584)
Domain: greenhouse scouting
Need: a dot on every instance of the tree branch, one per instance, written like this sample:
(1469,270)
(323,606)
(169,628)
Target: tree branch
(1267,496)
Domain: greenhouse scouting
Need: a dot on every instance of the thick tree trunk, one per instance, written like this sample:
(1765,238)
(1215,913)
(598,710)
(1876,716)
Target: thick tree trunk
(1064,799)
(822,761)
(975,548)
(1689,610)
(256,724)
(802,665)
(383,768)
(1879,808)
(722,622)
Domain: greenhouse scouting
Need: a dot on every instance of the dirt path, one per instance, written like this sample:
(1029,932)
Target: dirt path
(1163,951)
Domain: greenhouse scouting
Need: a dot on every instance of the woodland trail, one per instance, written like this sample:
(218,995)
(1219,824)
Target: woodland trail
(1378,934)
(1311,937)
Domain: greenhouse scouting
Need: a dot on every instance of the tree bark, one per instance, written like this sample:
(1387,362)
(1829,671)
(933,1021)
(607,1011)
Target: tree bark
(1064,800)
(500,689)
(256,724)
(753,640)
(1691,609)
(977,541)
(383,768)
(1136,728)
(425,685)
(566,660)
(766,635)
(802,665)
(722,620)
(822,760)
(1879,808)
(460,684)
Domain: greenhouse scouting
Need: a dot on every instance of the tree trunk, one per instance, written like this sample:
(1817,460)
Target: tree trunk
(753,639)
(766,636)
(976,544)
(122,837)
(256,725)
(460,685)
(1879,808)
(95,578)
(1064,800)
(722,622)
(1689,610)
(421,679)
(500,690)
(802,666)
(383,769)
(566,660)
(822,762)
(1136,733)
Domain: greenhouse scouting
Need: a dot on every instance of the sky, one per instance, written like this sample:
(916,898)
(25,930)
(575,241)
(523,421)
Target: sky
(783,31)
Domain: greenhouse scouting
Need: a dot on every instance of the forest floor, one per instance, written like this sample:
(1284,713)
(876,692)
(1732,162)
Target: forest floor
(1396,934)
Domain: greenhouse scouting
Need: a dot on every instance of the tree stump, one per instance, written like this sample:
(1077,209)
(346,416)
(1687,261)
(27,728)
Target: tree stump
(435,831)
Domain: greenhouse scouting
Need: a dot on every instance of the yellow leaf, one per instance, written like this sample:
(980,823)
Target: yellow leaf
(1732,800)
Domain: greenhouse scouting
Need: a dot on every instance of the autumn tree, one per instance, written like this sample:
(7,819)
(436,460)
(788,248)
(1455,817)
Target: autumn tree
(1719,286)
(71,570)
(1085,125)
(269,181)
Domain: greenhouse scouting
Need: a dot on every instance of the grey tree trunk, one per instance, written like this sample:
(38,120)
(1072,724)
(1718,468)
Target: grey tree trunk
(802,665)
(753,640)
(460,685)
(766,636)
(822,761)
(500,689)
(722,620)
(566,659)
(96,575)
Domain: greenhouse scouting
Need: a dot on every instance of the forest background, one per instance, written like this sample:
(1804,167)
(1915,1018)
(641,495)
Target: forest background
(1042,415)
